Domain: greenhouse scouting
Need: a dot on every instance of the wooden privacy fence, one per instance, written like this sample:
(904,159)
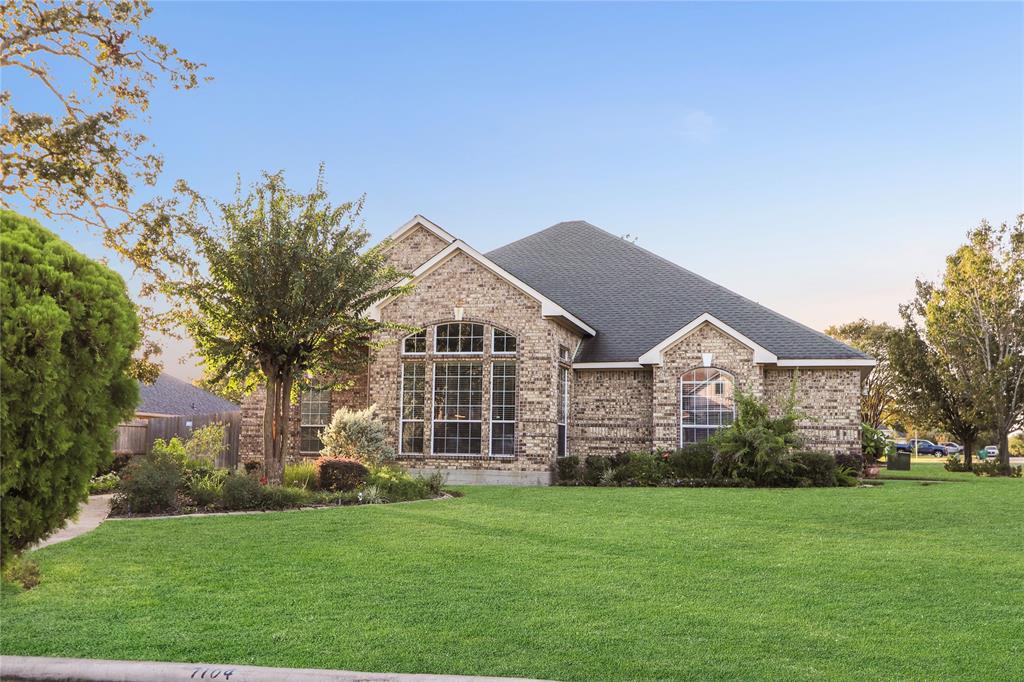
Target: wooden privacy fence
(136,437)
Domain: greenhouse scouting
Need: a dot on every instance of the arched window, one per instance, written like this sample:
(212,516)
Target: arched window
(415,344)
(705,403)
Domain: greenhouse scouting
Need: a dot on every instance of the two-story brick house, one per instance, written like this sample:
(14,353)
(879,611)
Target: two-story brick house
(571,341)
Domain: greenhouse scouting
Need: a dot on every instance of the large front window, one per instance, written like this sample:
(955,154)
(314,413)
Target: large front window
(563,410)
(458,408)
(705,404)
(503,409)
(314,414)
(459,338)
(411,437)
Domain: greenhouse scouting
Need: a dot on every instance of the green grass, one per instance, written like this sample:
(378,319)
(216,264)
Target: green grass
(902,581)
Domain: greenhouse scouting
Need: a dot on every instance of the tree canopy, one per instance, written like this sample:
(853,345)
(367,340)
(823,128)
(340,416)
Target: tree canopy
(278,295)
(878,396)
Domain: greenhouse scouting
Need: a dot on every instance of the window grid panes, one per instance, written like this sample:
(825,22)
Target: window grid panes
(503,409)
(459,337)
(458,408)
(563,410)
(503,343)
(314,414)
(413,386)
(415,344)
(706,404)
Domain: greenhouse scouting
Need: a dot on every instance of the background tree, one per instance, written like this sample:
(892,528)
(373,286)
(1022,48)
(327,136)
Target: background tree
(87,163)
(929,390)
(878,392)
(975,321)
(69,331)
(279,293)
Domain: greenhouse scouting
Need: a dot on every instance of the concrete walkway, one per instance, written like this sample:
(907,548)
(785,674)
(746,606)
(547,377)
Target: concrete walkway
(31,668)
(90,515)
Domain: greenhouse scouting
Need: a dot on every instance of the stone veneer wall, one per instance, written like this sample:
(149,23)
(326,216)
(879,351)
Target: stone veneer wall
(414,248)
(485,298)
(686,354)
(830,398)
(611,411)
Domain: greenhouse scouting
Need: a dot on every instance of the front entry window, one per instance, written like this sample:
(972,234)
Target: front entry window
(458,408)
(705,403)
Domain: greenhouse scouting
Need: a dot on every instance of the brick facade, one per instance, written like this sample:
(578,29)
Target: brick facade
(611,410)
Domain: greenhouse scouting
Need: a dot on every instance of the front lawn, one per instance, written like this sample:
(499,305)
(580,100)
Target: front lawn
(903,580)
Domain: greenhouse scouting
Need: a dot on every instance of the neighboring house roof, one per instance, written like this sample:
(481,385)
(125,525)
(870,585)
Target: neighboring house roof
(636,299)
(170,396)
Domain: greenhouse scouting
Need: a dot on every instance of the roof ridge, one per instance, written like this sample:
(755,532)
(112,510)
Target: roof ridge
(717,285)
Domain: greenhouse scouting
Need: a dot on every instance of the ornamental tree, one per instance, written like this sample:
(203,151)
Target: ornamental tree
(974,318)
(282,282)
(68,333)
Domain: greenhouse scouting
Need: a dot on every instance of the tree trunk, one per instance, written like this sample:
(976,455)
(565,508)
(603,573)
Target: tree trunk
(968,453)
(275,421)
(1004,451)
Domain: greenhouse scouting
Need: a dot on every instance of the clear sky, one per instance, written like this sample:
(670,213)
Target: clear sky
(813,157)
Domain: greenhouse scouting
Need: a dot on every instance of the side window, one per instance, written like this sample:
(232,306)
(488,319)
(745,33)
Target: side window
(315,413)
(415,344)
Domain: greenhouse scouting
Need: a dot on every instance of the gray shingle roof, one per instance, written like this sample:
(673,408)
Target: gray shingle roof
(174,396)
(635,299)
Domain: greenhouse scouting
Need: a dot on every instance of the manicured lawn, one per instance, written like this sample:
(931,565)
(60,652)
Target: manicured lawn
(903,581)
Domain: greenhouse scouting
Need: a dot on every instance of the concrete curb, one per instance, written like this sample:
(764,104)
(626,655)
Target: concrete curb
(36,668)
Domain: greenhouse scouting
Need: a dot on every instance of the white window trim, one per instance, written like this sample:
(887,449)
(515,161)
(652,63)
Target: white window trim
(493,421)
(564,384)
(415,354)
(707,427)
(304,425)
(454,455)
(401,415)
(464,353)
(503,353)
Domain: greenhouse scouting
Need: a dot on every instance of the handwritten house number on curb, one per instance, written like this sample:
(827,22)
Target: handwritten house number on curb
(213,674)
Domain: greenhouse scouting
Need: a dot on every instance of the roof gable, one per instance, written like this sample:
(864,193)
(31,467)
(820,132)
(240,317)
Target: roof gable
(549,308)
(170,396)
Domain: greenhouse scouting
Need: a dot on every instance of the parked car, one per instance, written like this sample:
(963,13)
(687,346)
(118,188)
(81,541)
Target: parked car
(990,451)
(923,447)
(952,448)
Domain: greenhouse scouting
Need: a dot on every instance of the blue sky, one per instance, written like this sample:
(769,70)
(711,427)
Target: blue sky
(813,157)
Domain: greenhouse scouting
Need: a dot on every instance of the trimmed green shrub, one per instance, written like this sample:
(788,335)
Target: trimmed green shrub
(594,469)
(815,468)
(284,497)
(300,475)
(990,467)
(693,461)
(639,468)
(149,485)
(758,446)
(567,470)
(241,492)
(104,484)
(358,435)
(338,473)
(67,333)
(851,460)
